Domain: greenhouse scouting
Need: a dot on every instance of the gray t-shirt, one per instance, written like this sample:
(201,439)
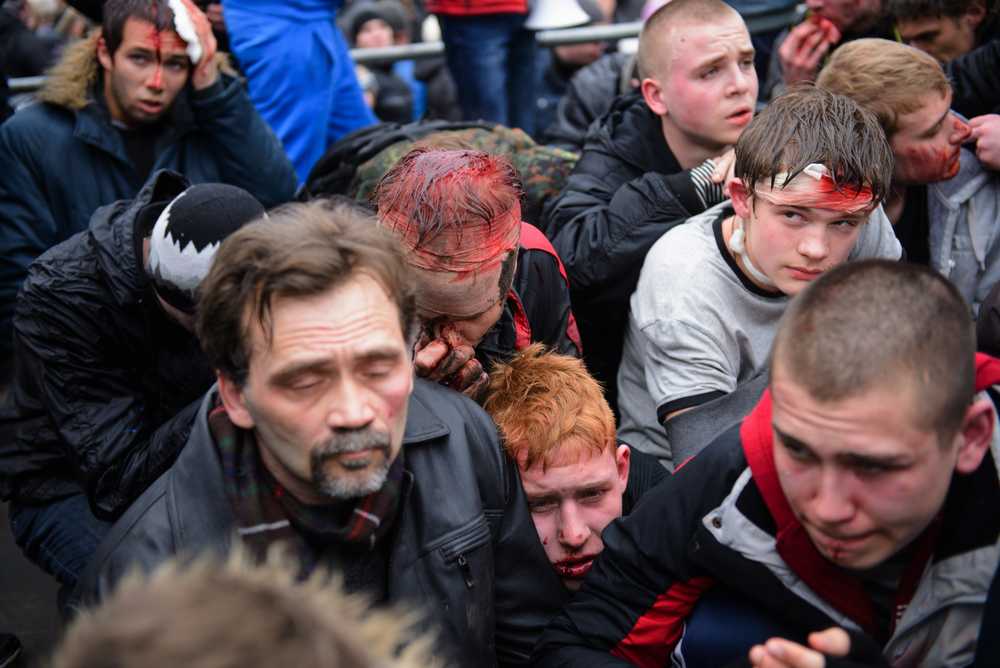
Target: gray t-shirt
(698,327)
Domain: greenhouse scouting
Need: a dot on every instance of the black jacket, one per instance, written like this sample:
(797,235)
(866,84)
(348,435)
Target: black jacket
(106,384)
(625,192)
(587,97)
(464,549)
(975,80)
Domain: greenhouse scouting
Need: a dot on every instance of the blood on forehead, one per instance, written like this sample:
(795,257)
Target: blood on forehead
(814,188)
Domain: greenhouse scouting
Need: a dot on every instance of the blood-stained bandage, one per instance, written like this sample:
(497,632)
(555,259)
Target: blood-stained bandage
(185,28)
(814,188)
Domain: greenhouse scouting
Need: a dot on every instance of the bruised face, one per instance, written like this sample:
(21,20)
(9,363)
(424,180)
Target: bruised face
(795,240)
(927,143)
(327,395)
(944,37)
(145,74)
(861,477)
(708,88)
(572,500)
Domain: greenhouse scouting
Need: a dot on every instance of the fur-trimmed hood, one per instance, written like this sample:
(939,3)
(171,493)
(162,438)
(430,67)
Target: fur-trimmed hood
(71,80)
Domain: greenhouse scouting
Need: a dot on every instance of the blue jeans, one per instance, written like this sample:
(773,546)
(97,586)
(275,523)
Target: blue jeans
(724,625)
(492,59)
(60,537)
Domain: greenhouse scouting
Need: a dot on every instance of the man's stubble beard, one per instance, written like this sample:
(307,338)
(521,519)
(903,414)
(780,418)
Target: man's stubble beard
(343,488)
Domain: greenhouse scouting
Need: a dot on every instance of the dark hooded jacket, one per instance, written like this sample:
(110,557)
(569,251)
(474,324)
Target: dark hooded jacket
(62,159)
(625,192)
(587,97)
(106,385)
(975,78)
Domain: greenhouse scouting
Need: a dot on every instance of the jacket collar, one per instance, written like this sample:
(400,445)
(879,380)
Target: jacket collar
(634,134)
(422,423)
(93,124)
(843,592)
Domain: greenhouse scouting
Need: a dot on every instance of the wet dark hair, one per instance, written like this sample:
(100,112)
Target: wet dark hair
(876,323)
(117,12)
(807,125)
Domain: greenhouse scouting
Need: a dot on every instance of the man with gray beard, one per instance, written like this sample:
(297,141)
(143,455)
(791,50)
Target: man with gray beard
(318,437)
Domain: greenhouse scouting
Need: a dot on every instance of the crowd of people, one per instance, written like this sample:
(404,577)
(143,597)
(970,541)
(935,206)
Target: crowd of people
(583,355)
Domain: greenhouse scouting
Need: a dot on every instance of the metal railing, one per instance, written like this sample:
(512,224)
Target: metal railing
(756,23)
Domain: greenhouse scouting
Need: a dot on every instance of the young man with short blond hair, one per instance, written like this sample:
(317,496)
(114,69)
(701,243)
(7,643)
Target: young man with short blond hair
(944,203)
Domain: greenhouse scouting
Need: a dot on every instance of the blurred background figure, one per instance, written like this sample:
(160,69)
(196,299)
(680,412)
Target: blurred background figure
(404,90)
(946,29)
(556,66)
(491,55)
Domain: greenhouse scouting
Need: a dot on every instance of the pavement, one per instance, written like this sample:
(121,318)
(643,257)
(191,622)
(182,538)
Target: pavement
(27,600)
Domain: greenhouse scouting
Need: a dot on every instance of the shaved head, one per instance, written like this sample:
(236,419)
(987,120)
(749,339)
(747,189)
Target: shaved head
(660,31)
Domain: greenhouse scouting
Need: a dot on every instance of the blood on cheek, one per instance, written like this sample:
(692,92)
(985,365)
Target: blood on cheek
(927,164)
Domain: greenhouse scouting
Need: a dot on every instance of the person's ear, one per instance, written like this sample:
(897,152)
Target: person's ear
(234,401)
(741,198)
(103,55)
(975,436)
(623,460)
(652,93)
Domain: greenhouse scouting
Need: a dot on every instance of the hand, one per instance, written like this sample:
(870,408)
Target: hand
(801,52)
(206,71)
(781,653)
(986,133)
(723,173)
(453,365)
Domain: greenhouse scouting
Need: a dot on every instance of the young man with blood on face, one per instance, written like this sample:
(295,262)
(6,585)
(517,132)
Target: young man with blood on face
(489,284)
(577,477)
(810,172)
(648,164)
(860,492)
(943,203)
(800,51)
(137,97)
